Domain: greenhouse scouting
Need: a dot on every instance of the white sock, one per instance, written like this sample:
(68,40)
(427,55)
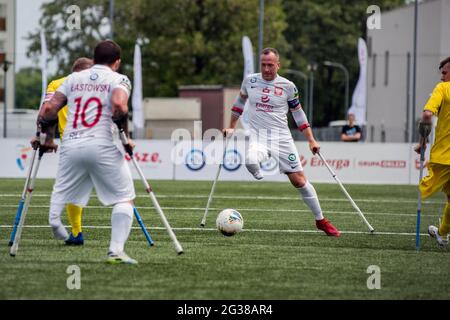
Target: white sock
(121,222)
(310,197)
(54,218)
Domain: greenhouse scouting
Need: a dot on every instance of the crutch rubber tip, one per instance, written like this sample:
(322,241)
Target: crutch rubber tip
(202,225)
(12,255)
(10,244)
(372,231)
(181,252)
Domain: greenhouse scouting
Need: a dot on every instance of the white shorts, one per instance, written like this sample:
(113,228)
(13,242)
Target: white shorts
(283,152)
(83,167)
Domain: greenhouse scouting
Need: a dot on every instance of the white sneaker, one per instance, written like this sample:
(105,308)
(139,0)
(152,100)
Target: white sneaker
(120,258)
(258,175)
(434,233)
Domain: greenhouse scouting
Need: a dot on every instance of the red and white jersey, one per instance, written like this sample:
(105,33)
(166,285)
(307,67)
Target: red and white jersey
(89,100)
(269,103)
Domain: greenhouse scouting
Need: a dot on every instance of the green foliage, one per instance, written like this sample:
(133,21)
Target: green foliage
(321,30)
(189,42)
(28,88)
(185,42)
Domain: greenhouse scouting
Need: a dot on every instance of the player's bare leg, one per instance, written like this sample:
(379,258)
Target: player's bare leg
(441,232)
(309,195)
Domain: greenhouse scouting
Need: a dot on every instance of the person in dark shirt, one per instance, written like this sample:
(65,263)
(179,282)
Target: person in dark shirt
(351,132)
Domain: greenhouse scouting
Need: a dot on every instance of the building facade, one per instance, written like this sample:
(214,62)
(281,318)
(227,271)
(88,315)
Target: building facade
(390,114)
(7,50)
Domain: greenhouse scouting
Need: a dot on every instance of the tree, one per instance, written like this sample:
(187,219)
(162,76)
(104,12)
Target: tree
(320,30)
(28,88)
(185,42)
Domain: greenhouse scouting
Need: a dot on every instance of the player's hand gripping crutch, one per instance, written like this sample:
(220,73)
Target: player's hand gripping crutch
(213,188)
(30,188)
(24,193)
(346,193)
(149,190)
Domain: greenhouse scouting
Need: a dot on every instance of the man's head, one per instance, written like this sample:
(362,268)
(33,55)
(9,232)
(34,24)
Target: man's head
(108,53)
(270,63)
(351,118)
(82,64)
(444,67)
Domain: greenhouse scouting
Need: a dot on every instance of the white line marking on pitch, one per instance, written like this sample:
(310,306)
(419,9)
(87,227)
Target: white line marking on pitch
(241,209)
(241,197)
(245,230)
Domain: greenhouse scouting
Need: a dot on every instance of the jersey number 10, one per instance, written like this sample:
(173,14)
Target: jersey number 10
(83,112)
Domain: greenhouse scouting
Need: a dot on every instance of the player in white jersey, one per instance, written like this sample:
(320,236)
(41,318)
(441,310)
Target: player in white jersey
(97,98)
(271,97)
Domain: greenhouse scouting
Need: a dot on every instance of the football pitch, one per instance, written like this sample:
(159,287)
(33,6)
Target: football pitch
(279,256)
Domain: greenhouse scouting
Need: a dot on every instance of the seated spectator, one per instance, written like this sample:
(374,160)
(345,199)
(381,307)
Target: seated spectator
(351,132)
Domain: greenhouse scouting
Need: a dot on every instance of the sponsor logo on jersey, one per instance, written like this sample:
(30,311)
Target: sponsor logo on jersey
(263,107)
(94,76)
(265,99)
(292,157)
(253,80)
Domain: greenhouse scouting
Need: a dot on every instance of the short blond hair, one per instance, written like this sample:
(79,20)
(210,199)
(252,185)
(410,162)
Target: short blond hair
(82,64)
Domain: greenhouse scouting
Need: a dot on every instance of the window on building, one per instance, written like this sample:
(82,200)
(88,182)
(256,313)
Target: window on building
(374,69)
(2,10)
(3,17)
(386,68)
(369,46)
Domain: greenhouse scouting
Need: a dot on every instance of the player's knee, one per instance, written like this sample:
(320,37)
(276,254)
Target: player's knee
(123,208)
(299,181)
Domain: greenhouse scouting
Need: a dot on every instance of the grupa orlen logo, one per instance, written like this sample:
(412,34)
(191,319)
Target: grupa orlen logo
(23,156)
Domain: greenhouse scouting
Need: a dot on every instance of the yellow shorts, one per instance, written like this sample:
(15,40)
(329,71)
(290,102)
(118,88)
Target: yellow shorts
(438,178)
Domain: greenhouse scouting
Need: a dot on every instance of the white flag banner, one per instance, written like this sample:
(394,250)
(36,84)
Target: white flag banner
(358,107)
(136,100)
(43,66)
(249,68)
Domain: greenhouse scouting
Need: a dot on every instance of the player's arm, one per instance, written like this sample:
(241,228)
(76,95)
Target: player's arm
(119,103)
(236,112)
(48,119)
(301,121)
(432,107)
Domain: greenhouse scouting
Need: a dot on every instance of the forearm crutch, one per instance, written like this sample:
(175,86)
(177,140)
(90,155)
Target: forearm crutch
(149,190)
(346,193)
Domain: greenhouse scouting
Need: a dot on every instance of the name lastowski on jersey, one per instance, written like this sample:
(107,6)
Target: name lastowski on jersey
(269,103)
(89,100)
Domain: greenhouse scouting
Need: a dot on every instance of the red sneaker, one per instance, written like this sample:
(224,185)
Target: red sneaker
(327,227)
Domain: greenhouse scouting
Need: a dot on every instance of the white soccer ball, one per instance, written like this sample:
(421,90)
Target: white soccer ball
(229,222)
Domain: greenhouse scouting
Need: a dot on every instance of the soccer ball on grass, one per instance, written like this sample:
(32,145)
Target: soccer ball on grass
(229,222)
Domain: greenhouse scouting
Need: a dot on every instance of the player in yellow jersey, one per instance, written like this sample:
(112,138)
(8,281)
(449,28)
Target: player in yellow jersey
(439,165)
(73,212)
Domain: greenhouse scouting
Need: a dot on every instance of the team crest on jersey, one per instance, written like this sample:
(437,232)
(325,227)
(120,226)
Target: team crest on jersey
(253,80)
(278,91)
(93,77)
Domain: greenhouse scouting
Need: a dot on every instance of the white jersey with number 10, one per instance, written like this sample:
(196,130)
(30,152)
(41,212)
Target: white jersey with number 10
(89,99)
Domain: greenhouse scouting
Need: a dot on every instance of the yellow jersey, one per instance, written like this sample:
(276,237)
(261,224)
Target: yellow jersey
(439,105)
(62,114)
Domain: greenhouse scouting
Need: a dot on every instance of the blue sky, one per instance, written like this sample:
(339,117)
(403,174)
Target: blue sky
(27,20)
